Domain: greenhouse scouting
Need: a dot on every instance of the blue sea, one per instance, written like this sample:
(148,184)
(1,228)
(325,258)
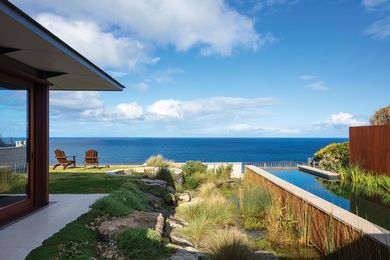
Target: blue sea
(137,150)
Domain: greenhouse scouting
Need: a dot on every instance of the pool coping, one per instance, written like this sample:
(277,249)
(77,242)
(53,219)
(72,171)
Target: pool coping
(328,175)
(370,229)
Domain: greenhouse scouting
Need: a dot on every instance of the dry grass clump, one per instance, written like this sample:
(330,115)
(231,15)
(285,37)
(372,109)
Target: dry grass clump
(229,244)
(207,214)
(159,161)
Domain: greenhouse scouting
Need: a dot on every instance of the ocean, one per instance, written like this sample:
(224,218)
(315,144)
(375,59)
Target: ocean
(123,150)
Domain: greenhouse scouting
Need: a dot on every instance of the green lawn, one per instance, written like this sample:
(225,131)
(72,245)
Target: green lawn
(84,182)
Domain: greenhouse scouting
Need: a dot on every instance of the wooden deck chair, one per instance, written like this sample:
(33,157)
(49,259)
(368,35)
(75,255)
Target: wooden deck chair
(63,160)
(91,157)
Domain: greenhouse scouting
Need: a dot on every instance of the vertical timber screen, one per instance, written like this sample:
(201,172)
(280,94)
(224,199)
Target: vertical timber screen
(370,148)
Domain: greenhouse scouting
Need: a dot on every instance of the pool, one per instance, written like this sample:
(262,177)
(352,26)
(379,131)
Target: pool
(366,207)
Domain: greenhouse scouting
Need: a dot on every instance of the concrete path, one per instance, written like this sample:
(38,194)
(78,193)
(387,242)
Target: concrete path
(19,238)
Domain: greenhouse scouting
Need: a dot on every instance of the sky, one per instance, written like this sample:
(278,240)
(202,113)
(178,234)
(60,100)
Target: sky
(215,68)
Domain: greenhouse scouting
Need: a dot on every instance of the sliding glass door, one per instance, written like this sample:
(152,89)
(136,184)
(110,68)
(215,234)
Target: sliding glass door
(15,174)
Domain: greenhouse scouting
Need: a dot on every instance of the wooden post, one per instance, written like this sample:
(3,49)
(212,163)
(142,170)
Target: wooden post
(40,138)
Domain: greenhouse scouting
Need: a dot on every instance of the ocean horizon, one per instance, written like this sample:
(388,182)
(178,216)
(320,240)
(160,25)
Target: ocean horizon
(129,150)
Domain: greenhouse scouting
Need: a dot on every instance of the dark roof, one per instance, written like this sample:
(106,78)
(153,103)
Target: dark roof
(32,44)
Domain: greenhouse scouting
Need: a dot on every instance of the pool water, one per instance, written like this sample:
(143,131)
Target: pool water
(368,208)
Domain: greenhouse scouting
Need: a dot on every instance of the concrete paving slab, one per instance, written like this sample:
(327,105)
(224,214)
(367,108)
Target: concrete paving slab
(19,238)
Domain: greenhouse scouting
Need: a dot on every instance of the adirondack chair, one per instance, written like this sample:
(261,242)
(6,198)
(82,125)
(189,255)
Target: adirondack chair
(63,160)
(91,157)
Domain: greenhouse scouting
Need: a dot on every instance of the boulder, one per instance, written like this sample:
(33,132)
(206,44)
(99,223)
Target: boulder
(153,220)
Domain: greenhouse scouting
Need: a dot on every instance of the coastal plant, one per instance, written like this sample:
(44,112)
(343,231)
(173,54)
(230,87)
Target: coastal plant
(381,116)
(141,243)
(216,209)
(231,243)
(158,161)
(223,172)
(207,190)
(192,167)
(255,202)
(194,180)
(206,214)
(333,156)
(199,231)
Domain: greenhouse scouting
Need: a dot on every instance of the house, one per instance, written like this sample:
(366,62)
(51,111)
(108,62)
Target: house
(33,61)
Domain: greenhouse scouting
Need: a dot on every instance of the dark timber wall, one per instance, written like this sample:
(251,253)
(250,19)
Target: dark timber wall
(370,148)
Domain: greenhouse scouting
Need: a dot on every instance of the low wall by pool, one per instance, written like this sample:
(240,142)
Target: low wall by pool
(334,231)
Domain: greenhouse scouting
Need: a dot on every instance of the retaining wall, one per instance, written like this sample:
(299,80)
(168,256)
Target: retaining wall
(337,233)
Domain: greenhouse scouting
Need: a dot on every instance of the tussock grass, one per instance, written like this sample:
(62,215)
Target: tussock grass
(159,161)
(229,244)
(224,172)
(206,214)
(255,201)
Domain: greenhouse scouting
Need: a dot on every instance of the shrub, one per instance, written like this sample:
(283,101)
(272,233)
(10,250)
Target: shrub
(194,180)
(158,161)
(119,203)
(333,157)
(224,171)
(165,175)
(141,243)
(229,244)
(192,167)
(381,116)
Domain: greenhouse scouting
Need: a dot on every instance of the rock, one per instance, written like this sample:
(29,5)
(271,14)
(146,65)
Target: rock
(265,255)
(187,253)
(154,182)
(185,197)
(153,220)
(180,241)
(171,190)
(177,223)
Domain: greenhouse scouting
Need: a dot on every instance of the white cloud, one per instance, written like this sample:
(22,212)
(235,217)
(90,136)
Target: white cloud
(210,25)
(307,77)
(124,111)
(208,107)
(379,29)
(249,129)
(341,120)
(103,48)
(142,86)
(84,106)
(74,100)
(319,85)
